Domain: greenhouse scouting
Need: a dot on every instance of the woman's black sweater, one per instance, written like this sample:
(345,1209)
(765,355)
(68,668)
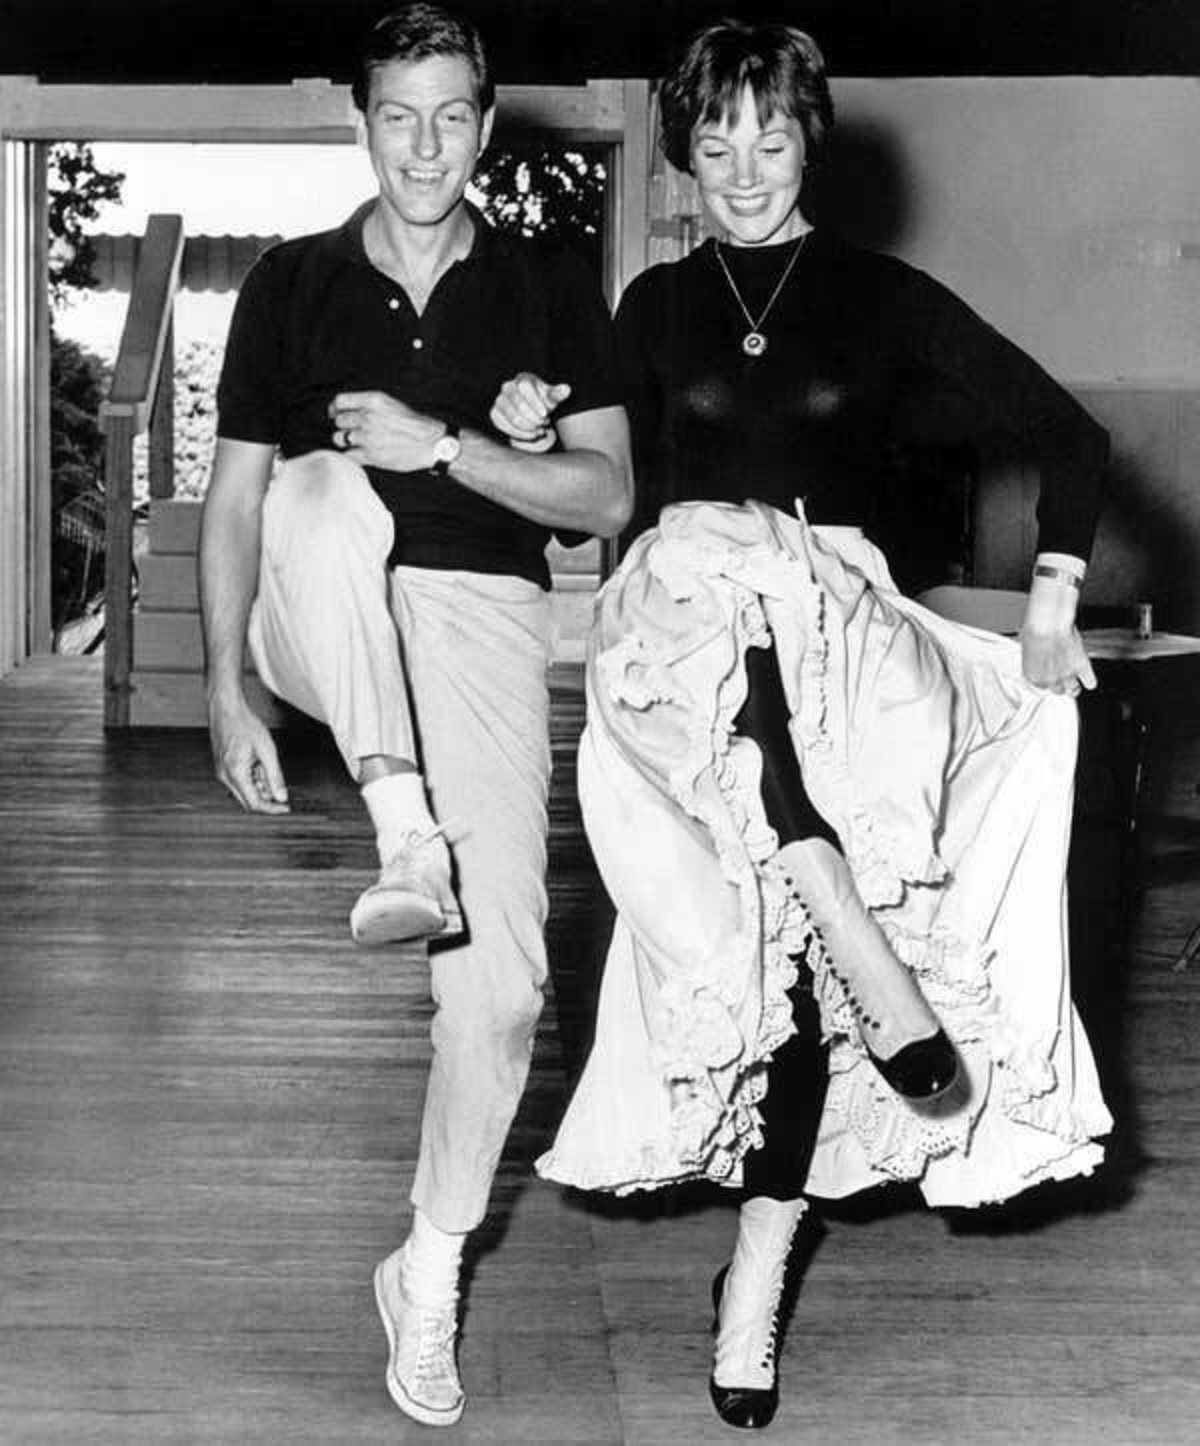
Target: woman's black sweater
(866,356)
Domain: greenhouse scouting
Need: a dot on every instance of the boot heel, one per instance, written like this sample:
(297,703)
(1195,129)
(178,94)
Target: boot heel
(718,1287)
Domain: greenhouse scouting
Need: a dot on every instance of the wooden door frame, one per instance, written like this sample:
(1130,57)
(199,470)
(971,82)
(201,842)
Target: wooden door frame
(615,113)
(610,112)
(24,404)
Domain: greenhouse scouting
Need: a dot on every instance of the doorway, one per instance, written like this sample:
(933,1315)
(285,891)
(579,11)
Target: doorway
(607,121)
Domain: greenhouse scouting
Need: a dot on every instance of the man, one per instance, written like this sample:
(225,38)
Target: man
(390,579)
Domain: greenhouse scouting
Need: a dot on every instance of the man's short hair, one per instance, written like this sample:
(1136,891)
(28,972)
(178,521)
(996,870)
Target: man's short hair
(782,66)
(419,32)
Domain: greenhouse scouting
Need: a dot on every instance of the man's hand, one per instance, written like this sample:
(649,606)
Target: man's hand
(245,757)
(523,410)
(376,430)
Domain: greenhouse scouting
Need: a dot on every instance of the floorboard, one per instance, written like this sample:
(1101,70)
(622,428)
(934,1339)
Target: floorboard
(208,1119)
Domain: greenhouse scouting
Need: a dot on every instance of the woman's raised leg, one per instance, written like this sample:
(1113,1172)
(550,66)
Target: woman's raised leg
(899,1030)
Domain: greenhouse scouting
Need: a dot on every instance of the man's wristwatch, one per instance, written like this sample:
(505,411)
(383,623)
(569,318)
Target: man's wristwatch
(446,450)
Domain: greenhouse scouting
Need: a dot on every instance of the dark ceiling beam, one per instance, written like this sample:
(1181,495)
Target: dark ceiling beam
(570,40)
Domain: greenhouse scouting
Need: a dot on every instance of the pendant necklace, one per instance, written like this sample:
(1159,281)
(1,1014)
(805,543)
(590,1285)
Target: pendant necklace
(754,343)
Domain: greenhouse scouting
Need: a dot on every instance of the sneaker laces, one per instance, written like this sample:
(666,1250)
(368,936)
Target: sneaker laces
(418,838)
(407,855)
(434,1364)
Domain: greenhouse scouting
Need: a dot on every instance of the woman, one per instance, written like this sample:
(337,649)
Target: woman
(834,826)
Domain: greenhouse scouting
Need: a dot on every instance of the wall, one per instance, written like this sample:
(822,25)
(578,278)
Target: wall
(1052,205)
(1067,211)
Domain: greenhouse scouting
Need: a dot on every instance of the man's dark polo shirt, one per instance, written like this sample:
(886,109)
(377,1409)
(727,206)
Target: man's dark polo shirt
(315,318)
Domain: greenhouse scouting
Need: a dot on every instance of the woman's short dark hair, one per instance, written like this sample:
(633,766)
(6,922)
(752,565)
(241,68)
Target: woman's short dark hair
(781,65)
(419,32)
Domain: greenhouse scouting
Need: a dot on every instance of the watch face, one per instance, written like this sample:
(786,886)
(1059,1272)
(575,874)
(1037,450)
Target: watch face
(447,448)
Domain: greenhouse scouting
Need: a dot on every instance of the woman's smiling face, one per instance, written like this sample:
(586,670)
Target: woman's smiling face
(749,174)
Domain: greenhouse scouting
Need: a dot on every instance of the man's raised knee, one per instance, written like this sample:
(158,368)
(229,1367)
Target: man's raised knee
(318,496)
(319,482)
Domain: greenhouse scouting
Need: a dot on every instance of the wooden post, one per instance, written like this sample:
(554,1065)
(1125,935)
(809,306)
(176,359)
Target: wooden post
(633,181)
(146,342)
(18,248)
(118,570)
(162,423)
(40,511)
(628,219)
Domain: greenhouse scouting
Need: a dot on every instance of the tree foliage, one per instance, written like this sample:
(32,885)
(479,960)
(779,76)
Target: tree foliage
(536,188)
(77,386)
(76,189)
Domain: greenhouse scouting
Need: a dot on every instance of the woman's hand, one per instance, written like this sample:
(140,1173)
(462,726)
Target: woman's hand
(523,408)
(376,430)
(1052,652)
(1056,660)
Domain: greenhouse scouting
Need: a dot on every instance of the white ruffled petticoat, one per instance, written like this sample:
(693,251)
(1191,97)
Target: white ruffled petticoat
(948,779)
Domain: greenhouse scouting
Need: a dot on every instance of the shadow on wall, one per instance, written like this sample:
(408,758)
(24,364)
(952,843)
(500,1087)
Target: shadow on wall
(862,188)
(1149,537)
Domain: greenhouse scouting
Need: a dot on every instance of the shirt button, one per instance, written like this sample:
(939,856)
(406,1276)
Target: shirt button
(393,303)
(417,343)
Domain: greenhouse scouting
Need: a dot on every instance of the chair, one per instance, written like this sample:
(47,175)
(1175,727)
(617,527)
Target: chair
(998,609)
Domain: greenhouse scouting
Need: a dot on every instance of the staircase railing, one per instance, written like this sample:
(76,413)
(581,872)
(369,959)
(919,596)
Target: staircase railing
(142,396)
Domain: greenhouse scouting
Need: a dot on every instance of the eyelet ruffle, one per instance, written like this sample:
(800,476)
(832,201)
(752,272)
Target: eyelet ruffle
(667,680)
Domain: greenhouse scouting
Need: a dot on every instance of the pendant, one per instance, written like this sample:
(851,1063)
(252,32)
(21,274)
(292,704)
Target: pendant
(754,343)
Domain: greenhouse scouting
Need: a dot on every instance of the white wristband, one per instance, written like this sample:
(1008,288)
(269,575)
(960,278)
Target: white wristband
(1064,567)
(1059,574)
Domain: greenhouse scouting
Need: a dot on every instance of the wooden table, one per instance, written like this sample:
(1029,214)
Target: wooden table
(1147,678)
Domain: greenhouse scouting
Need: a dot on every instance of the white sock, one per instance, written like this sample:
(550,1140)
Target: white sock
(430,1262)
(398,808)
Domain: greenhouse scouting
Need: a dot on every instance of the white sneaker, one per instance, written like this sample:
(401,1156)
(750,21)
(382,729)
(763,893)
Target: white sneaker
(422,1377)
(413,898)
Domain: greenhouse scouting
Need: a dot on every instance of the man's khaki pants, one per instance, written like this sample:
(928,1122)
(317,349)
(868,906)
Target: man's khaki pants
(448,668)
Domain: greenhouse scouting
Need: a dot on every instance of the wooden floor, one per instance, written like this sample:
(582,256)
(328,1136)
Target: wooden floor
(208,1119)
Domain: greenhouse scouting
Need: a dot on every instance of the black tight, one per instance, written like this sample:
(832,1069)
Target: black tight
(798,1074)
(764,717)
(797,1078)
